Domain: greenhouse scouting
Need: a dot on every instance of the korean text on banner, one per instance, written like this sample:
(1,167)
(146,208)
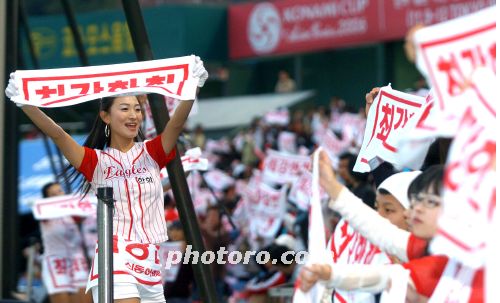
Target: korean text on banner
(63,206)
(67,86)
(386,121)
(268,211)
(283,168)
(447,54)
(469,194)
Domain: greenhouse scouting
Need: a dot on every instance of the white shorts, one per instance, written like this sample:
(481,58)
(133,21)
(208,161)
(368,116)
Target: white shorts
(64,274)
(132,290)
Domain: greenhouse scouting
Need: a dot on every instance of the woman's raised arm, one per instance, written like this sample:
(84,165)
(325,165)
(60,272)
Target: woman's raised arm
(176,123)
(73,151)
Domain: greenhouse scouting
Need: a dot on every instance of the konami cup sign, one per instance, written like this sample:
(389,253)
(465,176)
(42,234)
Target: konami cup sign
(295,26)
(264,28)
(290,26)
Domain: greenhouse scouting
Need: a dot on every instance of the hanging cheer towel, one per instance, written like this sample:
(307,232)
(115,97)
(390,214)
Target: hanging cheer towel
(67,86)
(317,239)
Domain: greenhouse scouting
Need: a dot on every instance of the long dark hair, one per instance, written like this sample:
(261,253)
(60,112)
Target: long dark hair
(96,140)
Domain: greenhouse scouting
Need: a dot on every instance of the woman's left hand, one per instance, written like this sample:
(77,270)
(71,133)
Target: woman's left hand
(199,71)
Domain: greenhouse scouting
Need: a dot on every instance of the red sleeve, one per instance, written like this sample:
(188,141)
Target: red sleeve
(155,150)
(477,291)
(426,272)
(88,164)
(416,248)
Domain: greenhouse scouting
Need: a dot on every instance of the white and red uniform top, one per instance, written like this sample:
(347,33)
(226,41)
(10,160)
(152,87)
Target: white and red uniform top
(137,190)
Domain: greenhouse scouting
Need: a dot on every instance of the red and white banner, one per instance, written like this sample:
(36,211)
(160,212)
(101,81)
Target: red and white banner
(218,180)
(202,198)
(387,119)
(350,247)
(295,26)
(133,262)
(171,260)
(63,206)
(333,145)
(448,54)
(301,191)
(67,86)
(418,135)
(286,142)
(191,160)
(267,212)
(469,193)
(284,168)
(278,117)
(221,145)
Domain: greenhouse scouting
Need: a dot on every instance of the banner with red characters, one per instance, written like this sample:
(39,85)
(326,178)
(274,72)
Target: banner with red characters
(67,86)
(295,26)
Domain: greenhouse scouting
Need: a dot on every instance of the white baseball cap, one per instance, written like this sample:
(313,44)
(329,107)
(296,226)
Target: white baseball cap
(397,185)
(286,240)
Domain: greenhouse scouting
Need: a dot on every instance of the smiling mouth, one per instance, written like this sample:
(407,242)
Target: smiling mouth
(131,126)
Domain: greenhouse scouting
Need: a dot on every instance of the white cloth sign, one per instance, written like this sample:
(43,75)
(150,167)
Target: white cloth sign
(221,145)
(133,262)
(333,145)
(414,142)
(63,206)
(268,211)
(350,247)
(283,168)
(387,118)
(170,252)
(469,193)
(447,54)
(67,86)
(191,160)
(278,117)
(352,126)
(286,142)
(202,199)
(218,180)
(301,192)
(316,238)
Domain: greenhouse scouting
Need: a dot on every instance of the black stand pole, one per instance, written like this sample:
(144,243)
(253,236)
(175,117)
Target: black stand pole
(70,16)
(202,272)
(9,204)
(105,244)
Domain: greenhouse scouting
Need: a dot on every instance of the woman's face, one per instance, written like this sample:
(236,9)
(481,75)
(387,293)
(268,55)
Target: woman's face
(390,208)
(424,213)
(124,117)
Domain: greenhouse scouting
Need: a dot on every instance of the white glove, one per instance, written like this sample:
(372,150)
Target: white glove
(11,90)
(199,71)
